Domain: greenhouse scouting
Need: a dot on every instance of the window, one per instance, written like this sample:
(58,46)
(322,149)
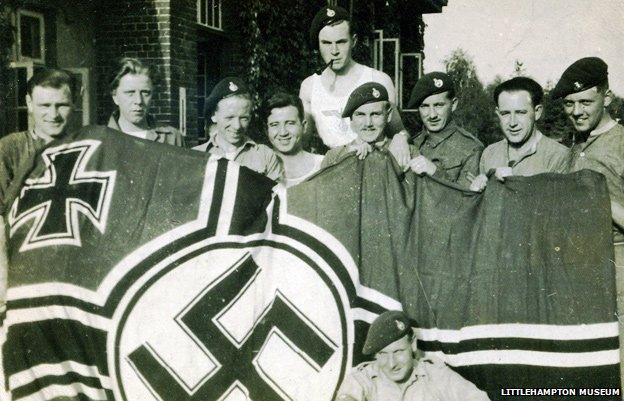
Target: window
(80,116)
(17,111)
(209,13)
(386,54)
(411,71)
(30,36)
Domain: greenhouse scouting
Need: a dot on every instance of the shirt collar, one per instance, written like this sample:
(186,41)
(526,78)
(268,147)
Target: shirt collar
(417,372)
(436,138)
(612,123)
(537,137)
(113,122)
(214,146)
(381,144)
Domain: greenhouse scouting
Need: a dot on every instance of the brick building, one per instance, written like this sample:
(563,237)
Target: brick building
(193,43)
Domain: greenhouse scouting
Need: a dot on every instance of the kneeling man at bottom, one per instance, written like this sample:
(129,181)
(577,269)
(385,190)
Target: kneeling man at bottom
(397,374)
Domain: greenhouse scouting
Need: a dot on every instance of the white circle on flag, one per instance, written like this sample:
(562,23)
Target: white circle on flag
(183,320)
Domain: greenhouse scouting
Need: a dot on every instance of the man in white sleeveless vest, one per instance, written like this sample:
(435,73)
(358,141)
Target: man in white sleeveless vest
(324,96)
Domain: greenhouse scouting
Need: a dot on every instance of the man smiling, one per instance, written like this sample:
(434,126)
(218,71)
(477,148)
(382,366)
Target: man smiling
(369,111)
(599,140)
(285,122)
(397,374)
(229,109)
(446,150)
(525,150)
(50,100)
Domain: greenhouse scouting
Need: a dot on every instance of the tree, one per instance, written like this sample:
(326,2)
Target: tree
(475,110)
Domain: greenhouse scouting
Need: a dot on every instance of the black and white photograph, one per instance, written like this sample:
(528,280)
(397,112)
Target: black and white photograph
(311,200)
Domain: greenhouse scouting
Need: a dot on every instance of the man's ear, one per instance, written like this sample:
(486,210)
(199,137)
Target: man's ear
(114,96)
(389,112)
(29,103)
(354,40)
(539,109)
(608,97)
(454,102)
(414,343)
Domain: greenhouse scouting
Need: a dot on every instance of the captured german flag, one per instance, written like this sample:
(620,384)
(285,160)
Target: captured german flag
(140,271)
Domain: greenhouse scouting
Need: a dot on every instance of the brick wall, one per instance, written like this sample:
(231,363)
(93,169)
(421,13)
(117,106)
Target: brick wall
(158,32)
(184,60)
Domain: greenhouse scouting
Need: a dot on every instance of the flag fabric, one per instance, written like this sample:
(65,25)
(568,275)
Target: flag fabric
(514,288)
(140,271)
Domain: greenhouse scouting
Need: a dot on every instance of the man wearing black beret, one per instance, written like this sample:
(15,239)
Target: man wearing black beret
(599,140)
(369,112)
(446,150)
(228,108)
(397,373)
(324,96)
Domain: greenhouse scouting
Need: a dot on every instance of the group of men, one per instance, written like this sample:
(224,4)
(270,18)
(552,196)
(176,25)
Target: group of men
(350,107)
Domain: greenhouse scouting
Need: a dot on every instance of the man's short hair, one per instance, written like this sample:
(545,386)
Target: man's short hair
(521,84)
(53,78)
(282,99)
(603,87)
(129,65)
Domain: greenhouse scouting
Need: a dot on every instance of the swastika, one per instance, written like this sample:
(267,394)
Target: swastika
(235,360)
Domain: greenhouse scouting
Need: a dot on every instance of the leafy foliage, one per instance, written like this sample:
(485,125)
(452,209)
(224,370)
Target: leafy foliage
(475,109)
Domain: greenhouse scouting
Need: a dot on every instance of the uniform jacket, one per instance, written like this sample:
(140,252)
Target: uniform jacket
(455,152)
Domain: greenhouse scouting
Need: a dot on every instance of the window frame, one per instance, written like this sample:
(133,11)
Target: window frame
(85,92)
(212,21)
(419,57)
(18,42)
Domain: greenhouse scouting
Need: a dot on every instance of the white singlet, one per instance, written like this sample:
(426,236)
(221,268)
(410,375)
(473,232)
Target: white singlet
(326,109)
(289,182)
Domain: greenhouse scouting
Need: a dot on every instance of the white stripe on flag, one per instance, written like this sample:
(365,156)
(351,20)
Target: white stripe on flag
(521,330)
(532,358)
(59,369)
(229,199)
(363,315)
(65,390)
(377,297)
(17,316)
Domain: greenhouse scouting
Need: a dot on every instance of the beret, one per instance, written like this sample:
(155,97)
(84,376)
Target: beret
(386,329)
(226,87)
(369,92)
(581,75)
(429,84)
(327,15)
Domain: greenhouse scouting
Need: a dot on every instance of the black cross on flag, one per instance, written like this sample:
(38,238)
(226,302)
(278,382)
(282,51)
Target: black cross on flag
(64,191)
